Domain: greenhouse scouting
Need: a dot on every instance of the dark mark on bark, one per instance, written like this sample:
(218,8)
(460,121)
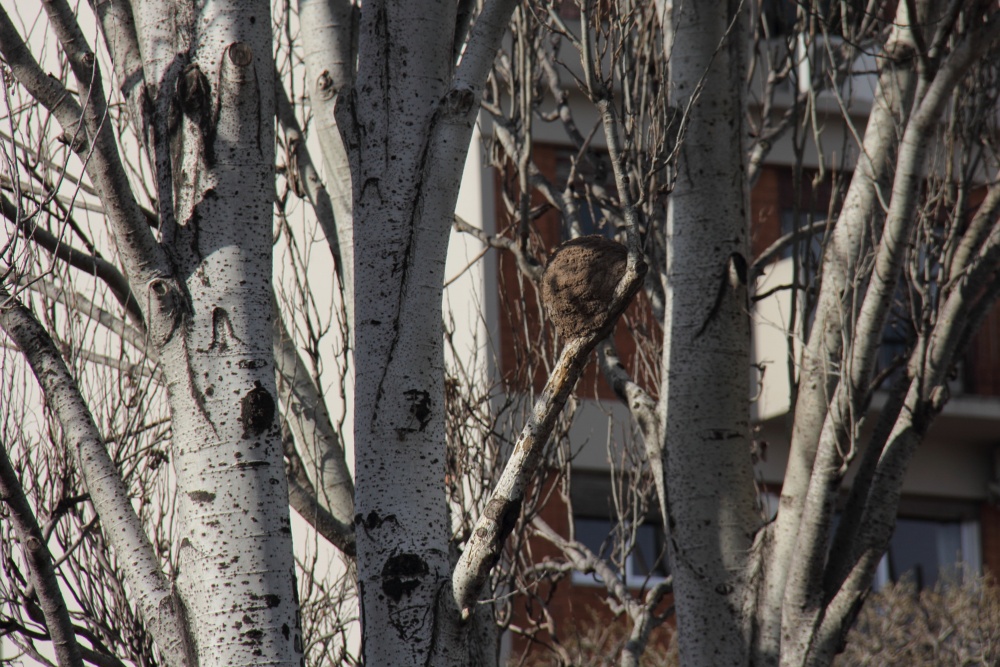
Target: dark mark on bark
(222,331)
(194,94)
(251,464)
(504,513)
(201,496)
(420,406)
(254,637)
(401,575)
(724,589)
(270,600)
(256,411)
(373,520)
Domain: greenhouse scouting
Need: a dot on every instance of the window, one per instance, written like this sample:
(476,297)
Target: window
(645,559)
(930,550)
(926,549)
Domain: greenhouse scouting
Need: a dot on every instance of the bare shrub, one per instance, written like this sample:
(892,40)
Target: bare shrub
(950,624)
(594,642)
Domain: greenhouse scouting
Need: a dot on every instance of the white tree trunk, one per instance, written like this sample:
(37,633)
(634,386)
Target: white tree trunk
(402,521)
(407,127)
(329,40)
(203,291)
(236,571)
(706,364)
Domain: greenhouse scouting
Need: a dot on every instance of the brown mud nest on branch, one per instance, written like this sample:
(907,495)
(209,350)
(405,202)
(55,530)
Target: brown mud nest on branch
(579,283)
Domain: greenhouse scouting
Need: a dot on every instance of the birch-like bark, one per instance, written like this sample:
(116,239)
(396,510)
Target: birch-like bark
(706,352)
(835,310)
(163,32)
(402,523)
(158,605)
(39,560)
(235,564)
(329,40)
(407,126)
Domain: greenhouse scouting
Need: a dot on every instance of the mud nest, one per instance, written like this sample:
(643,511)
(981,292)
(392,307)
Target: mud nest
(579,283)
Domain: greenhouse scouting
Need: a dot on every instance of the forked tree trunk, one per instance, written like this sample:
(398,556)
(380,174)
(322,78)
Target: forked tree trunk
(407,126)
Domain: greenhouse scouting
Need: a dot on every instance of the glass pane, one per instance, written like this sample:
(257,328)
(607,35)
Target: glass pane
(924,550)
(596,535)
(649,558)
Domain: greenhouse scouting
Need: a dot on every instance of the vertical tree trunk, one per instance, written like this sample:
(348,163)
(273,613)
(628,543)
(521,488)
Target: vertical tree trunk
(407,126)
(711,517)
(402,521)
(236,571)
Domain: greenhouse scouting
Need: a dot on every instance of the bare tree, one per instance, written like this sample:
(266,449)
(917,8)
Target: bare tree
(167,280)
(748,590)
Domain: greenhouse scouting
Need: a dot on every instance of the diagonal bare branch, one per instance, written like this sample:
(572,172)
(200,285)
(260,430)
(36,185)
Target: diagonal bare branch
(157,602)
(89,134)
(43,575)
(498,518)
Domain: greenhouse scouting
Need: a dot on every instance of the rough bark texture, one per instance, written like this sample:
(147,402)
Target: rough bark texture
(402,524)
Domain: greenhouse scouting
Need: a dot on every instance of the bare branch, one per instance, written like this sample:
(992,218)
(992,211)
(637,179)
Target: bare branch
(122,41)
(783,242)
(80,304)
(496,522)
(527,264)
(144,259)
(92,264)
(307,418)
(43,575)
(153,594)
(644,411)
(303,499)
(305,180)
